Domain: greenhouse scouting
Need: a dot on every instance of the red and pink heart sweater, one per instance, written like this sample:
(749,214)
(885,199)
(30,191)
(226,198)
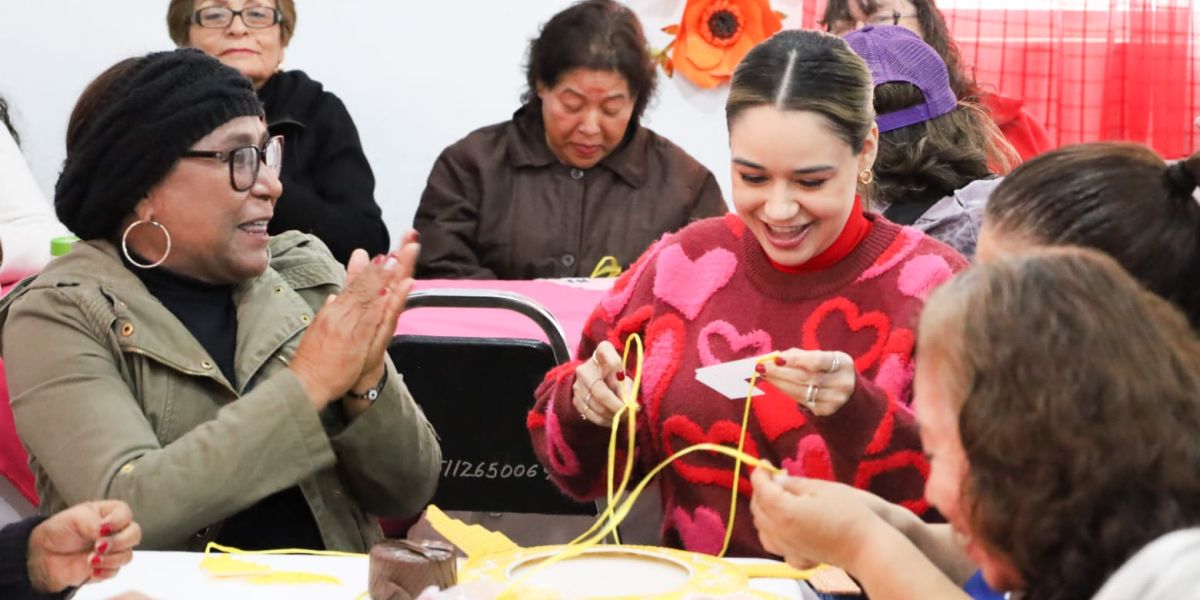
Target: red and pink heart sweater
(708,294)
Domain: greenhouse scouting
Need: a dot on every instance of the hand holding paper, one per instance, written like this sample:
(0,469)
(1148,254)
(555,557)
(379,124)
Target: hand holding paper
(819,380)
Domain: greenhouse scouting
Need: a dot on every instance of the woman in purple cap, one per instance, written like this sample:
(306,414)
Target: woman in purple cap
(936,156)
(1027,136)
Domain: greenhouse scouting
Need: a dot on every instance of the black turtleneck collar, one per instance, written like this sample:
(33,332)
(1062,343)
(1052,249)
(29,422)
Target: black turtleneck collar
(206,310)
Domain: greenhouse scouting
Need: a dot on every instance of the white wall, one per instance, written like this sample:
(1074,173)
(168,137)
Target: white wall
(416,76)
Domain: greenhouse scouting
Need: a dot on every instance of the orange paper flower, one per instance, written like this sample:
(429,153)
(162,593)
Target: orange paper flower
(714,35)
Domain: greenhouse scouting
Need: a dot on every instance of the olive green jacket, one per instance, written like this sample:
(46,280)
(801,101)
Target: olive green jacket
(114,398)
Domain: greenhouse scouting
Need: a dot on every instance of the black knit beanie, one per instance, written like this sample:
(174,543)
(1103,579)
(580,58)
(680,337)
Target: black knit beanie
(162,105)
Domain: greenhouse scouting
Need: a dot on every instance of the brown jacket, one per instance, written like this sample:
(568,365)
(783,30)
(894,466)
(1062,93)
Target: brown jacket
(115,399)
(499,204)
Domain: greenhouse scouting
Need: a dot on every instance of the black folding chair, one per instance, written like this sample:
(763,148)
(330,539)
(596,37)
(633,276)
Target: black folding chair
(477,391)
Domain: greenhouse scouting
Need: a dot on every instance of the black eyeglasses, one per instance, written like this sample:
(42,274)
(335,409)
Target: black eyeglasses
(882,17)
(220,17)
(244,161)
(844,26)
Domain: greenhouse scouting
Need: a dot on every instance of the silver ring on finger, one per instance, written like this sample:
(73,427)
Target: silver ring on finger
(586,406)
(810,398)
(837,361)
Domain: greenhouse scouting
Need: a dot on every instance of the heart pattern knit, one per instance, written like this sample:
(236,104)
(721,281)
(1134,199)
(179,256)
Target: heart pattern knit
(708,294)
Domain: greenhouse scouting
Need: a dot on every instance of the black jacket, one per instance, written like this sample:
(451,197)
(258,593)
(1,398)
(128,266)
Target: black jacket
(328,187)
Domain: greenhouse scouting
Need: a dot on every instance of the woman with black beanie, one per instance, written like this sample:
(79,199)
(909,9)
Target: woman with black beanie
(228,385)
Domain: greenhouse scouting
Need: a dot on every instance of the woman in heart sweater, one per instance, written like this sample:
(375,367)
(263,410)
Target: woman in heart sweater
(800,269)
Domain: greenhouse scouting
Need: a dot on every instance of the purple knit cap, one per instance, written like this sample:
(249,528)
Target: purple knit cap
(897,54)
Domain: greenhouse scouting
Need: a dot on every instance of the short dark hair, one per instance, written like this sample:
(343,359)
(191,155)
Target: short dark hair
(1120,198)
(602,35)
(933,29)
(810,71)
(1077,393)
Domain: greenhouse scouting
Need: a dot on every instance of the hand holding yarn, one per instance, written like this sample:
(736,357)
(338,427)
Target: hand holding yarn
(819,380)
(599,385)
(811,521)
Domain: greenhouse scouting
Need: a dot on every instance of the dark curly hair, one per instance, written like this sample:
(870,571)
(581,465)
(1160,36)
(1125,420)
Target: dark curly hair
(933,29)
(1079,394)
(1120,198)
(594,34)
(925,162)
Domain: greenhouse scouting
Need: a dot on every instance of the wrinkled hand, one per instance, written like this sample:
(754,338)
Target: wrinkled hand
(826,378)
(345,344)
(374,367)
(812,521)
(599,383)
(87,542)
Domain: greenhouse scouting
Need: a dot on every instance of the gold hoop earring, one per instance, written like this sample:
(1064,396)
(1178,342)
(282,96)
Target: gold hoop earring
(125,244)
(866,177)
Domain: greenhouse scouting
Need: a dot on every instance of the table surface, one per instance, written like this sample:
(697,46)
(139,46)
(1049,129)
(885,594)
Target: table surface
(177,576)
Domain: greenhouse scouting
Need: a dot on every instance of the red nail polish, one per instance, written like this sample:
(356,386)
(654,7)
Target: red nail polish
(95,572)
(102,547)
(620,376)
(95,560)
(382,291)
(761,369)
(416,236)
(780,361)
(105,530)
(378,260)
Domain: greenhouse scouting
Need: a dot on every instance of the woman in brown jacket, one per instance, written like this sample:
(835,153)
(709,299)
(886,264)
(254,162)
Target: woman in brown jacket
(573,177)
(227,385)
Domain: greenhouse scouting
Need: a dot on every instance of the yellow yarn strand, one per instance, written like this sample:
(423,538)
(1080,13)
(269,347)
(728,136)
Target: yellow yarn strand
(737,460)
(621,503)
(607,267)
(620,499)
(302,551)
(226,566)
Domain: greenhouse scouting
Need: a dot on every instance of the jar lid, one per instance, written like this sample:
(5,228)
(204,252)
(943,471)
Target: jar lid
(62,245)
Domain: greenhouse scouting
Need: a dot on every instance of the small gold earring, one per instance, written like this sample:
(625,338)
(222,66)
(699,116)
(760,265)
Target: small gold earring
(866,177)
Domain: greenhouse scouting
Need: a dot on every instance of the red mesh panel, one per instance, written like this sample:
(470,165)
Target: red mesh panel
(1087,70)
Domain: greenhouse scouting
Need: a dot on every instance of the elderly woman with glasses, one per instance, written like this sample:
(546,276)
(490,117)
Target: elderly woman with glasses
(230,386)
(330,189)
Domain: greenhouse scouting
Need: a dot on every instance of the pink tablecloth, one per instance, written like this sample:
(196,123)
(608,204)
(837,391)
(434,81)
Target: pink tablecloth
(570,302)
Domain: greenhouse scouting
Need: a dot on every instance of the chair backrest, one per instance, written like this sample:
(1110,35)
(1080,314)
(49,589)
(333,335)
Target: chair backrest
(477,393)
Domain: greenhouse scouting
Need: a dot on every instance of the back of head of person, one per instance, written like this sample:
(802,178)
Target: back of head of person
(930,143)
(921,17)
(1119,198)
(1058,400)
